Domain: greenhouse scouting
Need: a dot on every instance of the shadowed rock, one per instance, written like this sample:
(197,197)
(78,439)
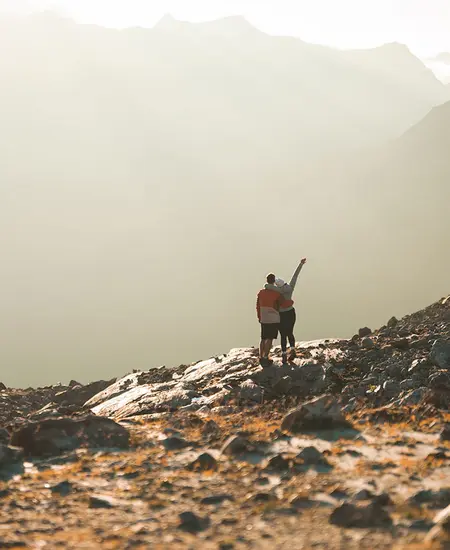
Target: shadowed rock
(203,463)
(57,436)
(440,354)
(350,515)
(322,413)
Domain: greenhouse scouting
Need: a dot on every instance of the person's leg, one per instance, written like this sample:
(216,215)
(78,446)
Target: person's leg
(291,337)
(283,337)
(261,348)
(267,348)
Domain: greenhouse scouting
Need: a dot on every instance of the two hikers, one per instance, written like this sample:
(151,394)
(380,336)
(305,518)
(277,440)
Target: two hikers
(276,313)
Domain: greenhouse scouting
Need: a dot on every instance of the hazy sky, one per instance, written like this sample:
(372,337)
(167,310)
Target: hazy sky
(422,25)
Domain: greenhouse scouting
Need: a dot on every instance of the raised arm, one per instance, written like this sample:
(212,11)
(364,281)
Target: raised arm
(297,273)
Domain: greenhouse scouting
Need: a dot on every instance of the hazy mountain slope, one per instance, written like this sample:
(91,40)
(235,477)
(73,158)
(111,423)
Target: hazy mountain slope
(149,181)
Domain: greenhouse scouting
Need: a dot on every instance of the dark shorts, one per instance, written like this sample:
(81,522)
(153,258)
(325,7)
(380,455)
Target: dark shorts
(269,332)
(287,322)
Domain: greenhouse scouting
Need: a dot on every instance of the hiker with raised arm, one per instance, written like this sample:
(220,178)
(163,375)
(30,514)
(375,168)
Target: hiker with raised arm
(288,314)
(268,310)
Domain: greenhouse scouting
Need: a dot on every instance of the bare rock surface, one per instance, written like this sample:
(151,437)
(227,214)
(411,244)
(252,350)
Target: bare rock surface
(348,447)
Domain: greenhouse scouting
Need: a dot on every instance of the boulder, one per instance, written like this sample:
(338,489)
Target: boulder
(431,499)
(9,456)
(440,354)
(353,516)
(368,343)
(147,399)
(78,394)
(236,445)
(320,413)
(61,435)
(249,391)
(365,331)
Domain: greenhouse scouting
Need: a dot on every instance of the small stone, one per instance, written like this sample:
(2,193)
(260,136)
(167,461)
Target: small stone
(175,443)
(366,331)
(302,501)
(279,463)
(203,463)
(311,456)
(401,344)
(97,501)
(216,499)
(63,489)
(192,523)
(235,445)
(393,321)
(211,430)
(262,497)
(368,343)
(445,434)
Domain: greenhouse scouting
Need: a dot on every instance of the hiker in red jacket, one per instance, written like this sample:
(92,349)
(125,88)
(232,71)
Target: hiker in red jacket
(268,310)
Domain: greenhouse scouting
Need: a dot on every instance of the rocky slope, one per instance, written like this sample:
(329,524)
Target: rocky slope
(353,438)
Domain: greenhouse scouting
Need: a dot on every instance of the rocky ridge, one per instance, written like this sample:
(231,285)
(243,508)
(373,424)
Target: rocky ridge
(354,435)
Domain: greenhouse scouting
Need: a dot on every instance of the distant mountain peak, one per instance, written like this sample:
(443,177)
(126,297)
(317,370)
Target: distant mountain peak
(167,21)
(233,25)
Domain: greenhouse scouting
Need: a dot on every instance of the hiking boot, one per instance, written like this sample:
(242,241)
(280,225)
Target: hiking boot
(265,362)
(284,358)
(292,355)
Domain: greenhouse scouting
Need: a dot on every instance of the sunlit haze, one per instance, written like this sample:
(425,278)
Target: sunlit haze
(154,169)
(423,26)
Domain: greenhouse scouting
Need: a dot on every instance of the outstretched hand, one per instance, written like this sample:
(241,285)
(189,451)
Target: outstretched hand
(303,262)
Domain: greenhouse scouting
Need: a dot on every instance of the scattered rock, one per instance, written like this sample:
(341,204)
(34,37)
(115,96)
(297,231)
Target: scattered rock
(440,353)
(57,436)
(63,489)
(215,499)
(192,523)
(441,529)
(211,430)
(431,499)
(9,457)
(203,463)
(103,501)
(318,414)
(4,436)
(368,343)
(366,331)
(249,391)
(175,443)
(353,516)
(236,445)
(393,322)
(445,434)
(311,456)
(279,463)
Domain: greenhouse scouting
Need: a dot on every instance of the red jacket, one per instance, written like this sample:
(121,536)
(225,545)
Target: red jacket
(268,306)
